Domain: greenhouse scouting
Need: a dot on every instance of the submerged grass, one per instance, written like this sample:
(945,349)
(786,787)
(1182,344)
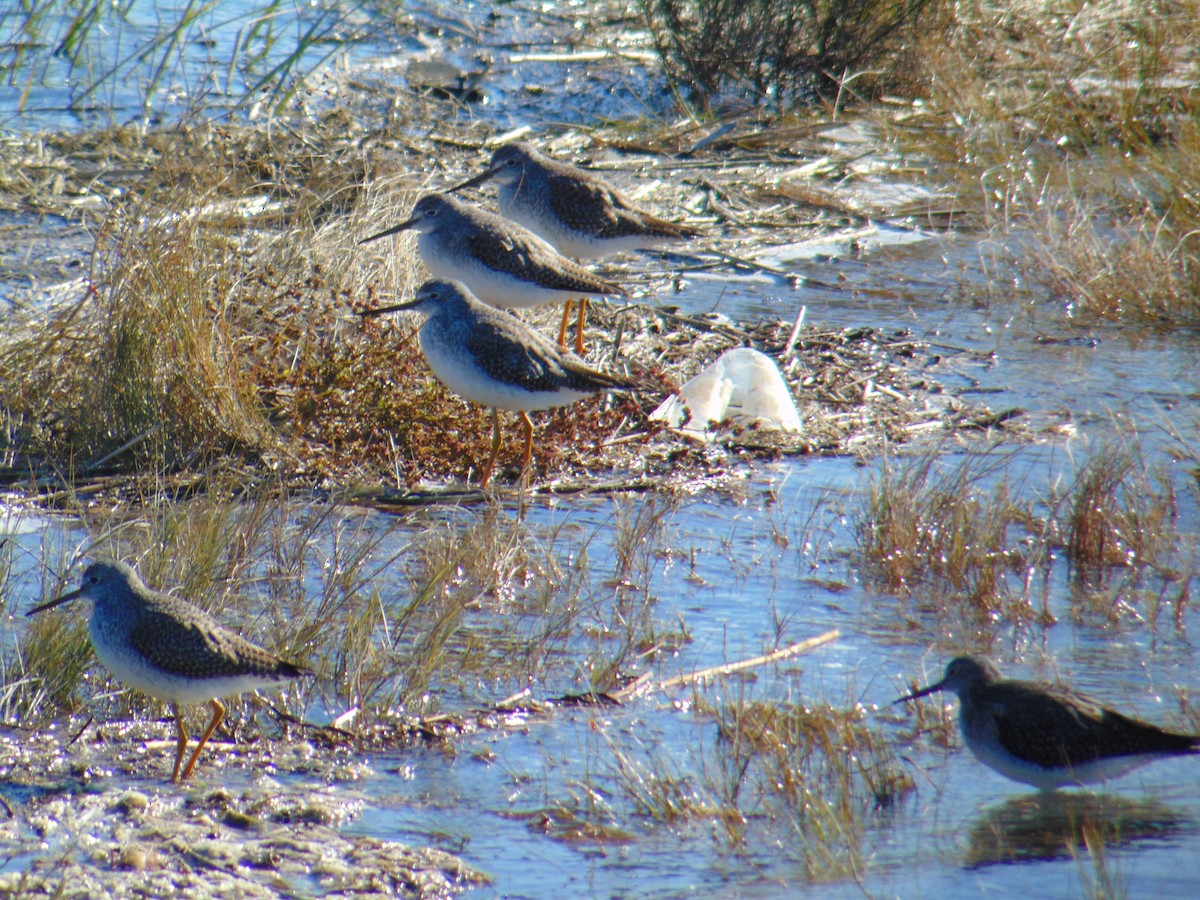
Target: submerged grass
(1131,558)
(1118,514)
(939,533)
(400,620)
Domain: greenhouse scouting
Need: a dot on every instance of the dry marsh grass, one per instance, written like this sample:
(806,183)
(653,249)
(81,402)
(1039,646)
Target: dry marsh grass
(217,322)
(937,531)
(805,778)
(216,326)
(1079,123)
(1139,263)
(928,527)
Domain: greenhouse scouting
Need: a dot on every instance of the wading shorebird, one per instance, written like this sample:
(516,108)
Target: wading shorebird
(1048,736)
(500,262)
(170,649)
(577,211)
(496,360)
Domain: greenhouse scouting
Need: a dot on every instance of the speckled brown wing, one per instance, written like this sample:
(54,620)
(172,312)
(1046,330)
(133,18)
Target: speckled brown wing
(513,359)
(190,644)
(1082,729)
(595,208)
(513,256)
(585,205)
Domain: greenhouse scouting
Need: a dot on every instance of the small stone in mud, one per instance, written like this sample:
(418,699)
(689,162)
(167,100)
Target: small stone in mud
(235,818)
(313,814)
(133,802)
(135,858)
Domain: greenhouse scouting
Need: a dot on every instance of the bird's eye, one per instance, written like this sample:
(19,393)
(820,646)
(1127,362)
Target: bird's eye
(510,163)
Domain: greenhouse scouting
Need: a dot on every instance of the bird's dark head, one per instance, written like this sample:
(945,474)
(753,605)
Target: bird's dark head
(429,298)
(507,166)
(103,581)
(963,673)
(427,215)
(437,293)
(432,210)
(510,162)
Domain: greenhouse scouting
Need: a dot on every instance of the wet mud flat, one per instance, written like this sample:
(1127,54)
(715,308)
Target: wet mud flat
(75,826)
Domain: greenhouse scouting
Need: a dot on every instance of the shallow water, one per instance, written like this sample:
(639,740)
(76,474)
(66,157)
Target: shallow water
(773,564)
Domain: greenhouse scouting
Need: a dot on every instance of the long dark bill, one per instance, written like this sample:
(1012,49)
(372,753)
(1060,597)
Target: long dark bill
(383,310)
(58,601)
(924,692)
(471,182)
(401,227)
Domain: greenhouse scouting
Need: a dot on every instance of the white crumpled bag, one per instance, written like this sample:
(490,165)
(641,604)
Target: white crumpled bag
(743,386)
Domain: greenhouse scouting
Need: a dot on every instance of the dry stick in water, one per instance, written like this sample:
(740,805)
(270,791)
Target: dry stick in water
(729,668)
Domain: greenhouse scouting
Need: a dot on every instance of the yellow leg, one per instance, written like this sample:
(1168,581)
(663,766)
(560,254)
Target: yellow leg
(180,743)
(562,329)
(582,318)
(487,470)
(218,715)
(527,425)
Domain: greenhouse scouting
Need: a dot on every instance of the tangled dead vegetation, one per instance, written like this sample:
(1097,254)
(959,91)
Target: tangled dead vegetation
(216,325)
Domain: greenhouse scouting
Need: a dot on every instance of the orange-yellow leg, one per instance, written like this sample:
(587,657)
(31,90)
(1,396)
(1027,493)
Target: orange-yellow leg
(487,470)
(527,425)
(579,333)
(562,329)
(180,743)
(218,715)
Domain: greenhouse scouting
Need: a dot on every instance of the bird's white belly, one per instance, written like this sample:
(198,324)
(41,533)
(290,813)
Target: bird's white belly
(135,671)
(460,373)
(1047,779)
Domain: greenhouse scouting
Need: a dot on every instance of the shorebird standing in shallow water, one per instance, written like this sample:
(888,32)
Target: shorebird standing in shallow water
(577,211)
(494,359)
(170,649)
(1048,736)
(500,262)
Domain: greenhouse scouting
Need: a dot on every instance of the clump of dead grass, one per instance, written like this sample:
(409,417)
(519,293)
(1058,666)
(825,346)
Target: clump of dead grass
(1118,514)
(807,776)
(928,528)
(145,361)
(1130,253)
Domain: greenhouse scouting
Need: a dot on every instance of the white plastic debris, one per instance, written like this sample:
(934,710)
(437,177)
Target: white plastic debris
(743,386)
